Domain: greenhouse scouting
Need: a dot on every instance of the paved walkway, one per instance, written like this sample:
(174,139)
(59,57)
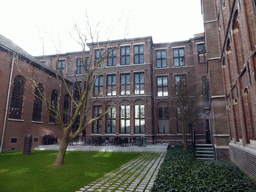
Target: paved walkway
(136,175)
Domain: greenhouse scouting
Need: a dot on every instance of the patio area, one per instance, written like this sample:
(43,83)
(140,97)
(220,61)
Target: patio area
(157,148)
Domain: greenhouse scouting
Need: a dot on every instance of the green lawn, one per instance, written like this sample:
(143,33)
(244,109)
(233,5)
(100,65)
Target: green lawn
(180,172)
(34,173)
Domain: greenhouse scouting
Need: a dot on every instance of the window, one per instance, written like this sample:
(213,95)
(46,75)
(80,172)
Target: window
(18,90)
(98,86)
(178,57)
(201,53)
(206,91)
(138,54)
(125,119)
(139,83)
(179,117)
(125,55)
(60,66)
(75,127)
(77,92)
(87,63)
(79,66)
(111,85)
(36,139)
(97,125)
(37,109)
(180,82)
(162,86)
(66,109)
(163,119)
(125,84)
(111,120)
(99,57)
(54,105)
(13,140)
(112,57)
(139,119)
(161,59)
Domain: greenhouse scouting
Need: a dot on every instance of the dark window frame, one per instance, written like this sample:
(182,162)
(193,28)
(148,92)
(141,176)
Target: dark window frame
(98,56)
(161,62)
(66,108)
(98,122)
(139,56)
(77,90)
(140,118)
(54,105)
(182,77)
(38,103)
(98,86)
(180,58)
(163,88)
(125,55)
(60,66)
(201,51)
(140,84)
(79,66)
(112,55)
(111,85)
(126,85)
(163,115)
(125,119)
(111,120)
(17,99)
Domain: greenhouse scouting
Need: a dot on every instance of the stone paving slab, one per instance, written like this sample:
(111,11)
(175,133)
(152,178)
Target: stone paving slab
(136,175)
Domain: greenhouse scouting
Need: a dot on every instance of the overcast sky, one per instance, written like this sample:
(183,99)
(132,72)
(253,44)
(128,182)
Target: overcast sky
(30,23)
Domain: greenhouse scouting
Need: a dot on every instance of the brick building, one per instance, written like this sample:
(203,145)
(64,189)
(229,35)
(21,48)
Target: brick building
(230,40)
(142,75)
(21,113)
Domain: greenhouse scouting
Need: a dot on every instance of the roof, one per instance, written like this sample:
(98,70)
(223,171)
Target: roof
(8,45)
(120,40)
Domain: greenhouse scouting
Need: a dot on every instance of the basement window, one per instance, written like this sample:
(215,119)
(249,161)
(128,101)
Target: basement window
(13,140)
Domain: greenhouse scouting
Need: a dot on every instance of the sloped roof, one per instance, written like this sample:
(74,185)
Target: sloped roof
(8,45)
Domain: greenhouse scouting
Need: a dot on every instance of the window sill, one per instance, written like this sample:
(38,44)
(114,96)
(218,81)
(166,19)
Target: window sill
(50,123)
(37,122)
(18,120)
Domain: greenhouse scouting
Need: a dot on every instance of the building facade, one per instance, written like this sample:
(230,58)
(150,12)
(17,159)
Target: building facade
(230,41)
(22,113)
(140,77)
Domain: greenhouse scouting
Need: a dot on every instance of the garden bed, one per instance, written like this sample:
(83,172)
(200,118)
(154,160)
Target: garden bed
(180,172)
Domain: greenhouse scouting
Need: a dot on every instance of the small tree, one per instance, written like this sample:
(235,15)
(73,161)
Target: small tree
(81,105)
(185,104)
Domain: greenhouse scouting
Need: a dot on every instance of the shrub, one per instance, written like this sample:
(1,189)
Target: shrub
(180,172)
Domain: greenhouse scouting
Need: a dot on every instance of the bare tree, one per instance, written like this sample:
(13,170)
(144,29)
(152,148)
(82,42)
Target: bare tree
(82,105)
(186,104)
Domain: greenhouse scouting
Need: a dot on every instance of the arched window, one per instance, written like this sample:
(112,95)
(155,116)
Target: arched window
(163,118)
(17,99)
(238,42)
(66,109)
(54,105)
(37,109)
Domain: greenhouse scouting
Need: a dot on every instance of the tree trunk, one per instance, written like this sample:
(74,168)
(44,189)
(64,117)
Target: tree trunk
(62,151)
(184,130)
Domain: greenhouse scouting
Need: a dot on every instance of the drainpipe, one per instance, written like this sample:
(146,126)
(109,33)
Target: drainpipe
(7,104)
(154,99)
